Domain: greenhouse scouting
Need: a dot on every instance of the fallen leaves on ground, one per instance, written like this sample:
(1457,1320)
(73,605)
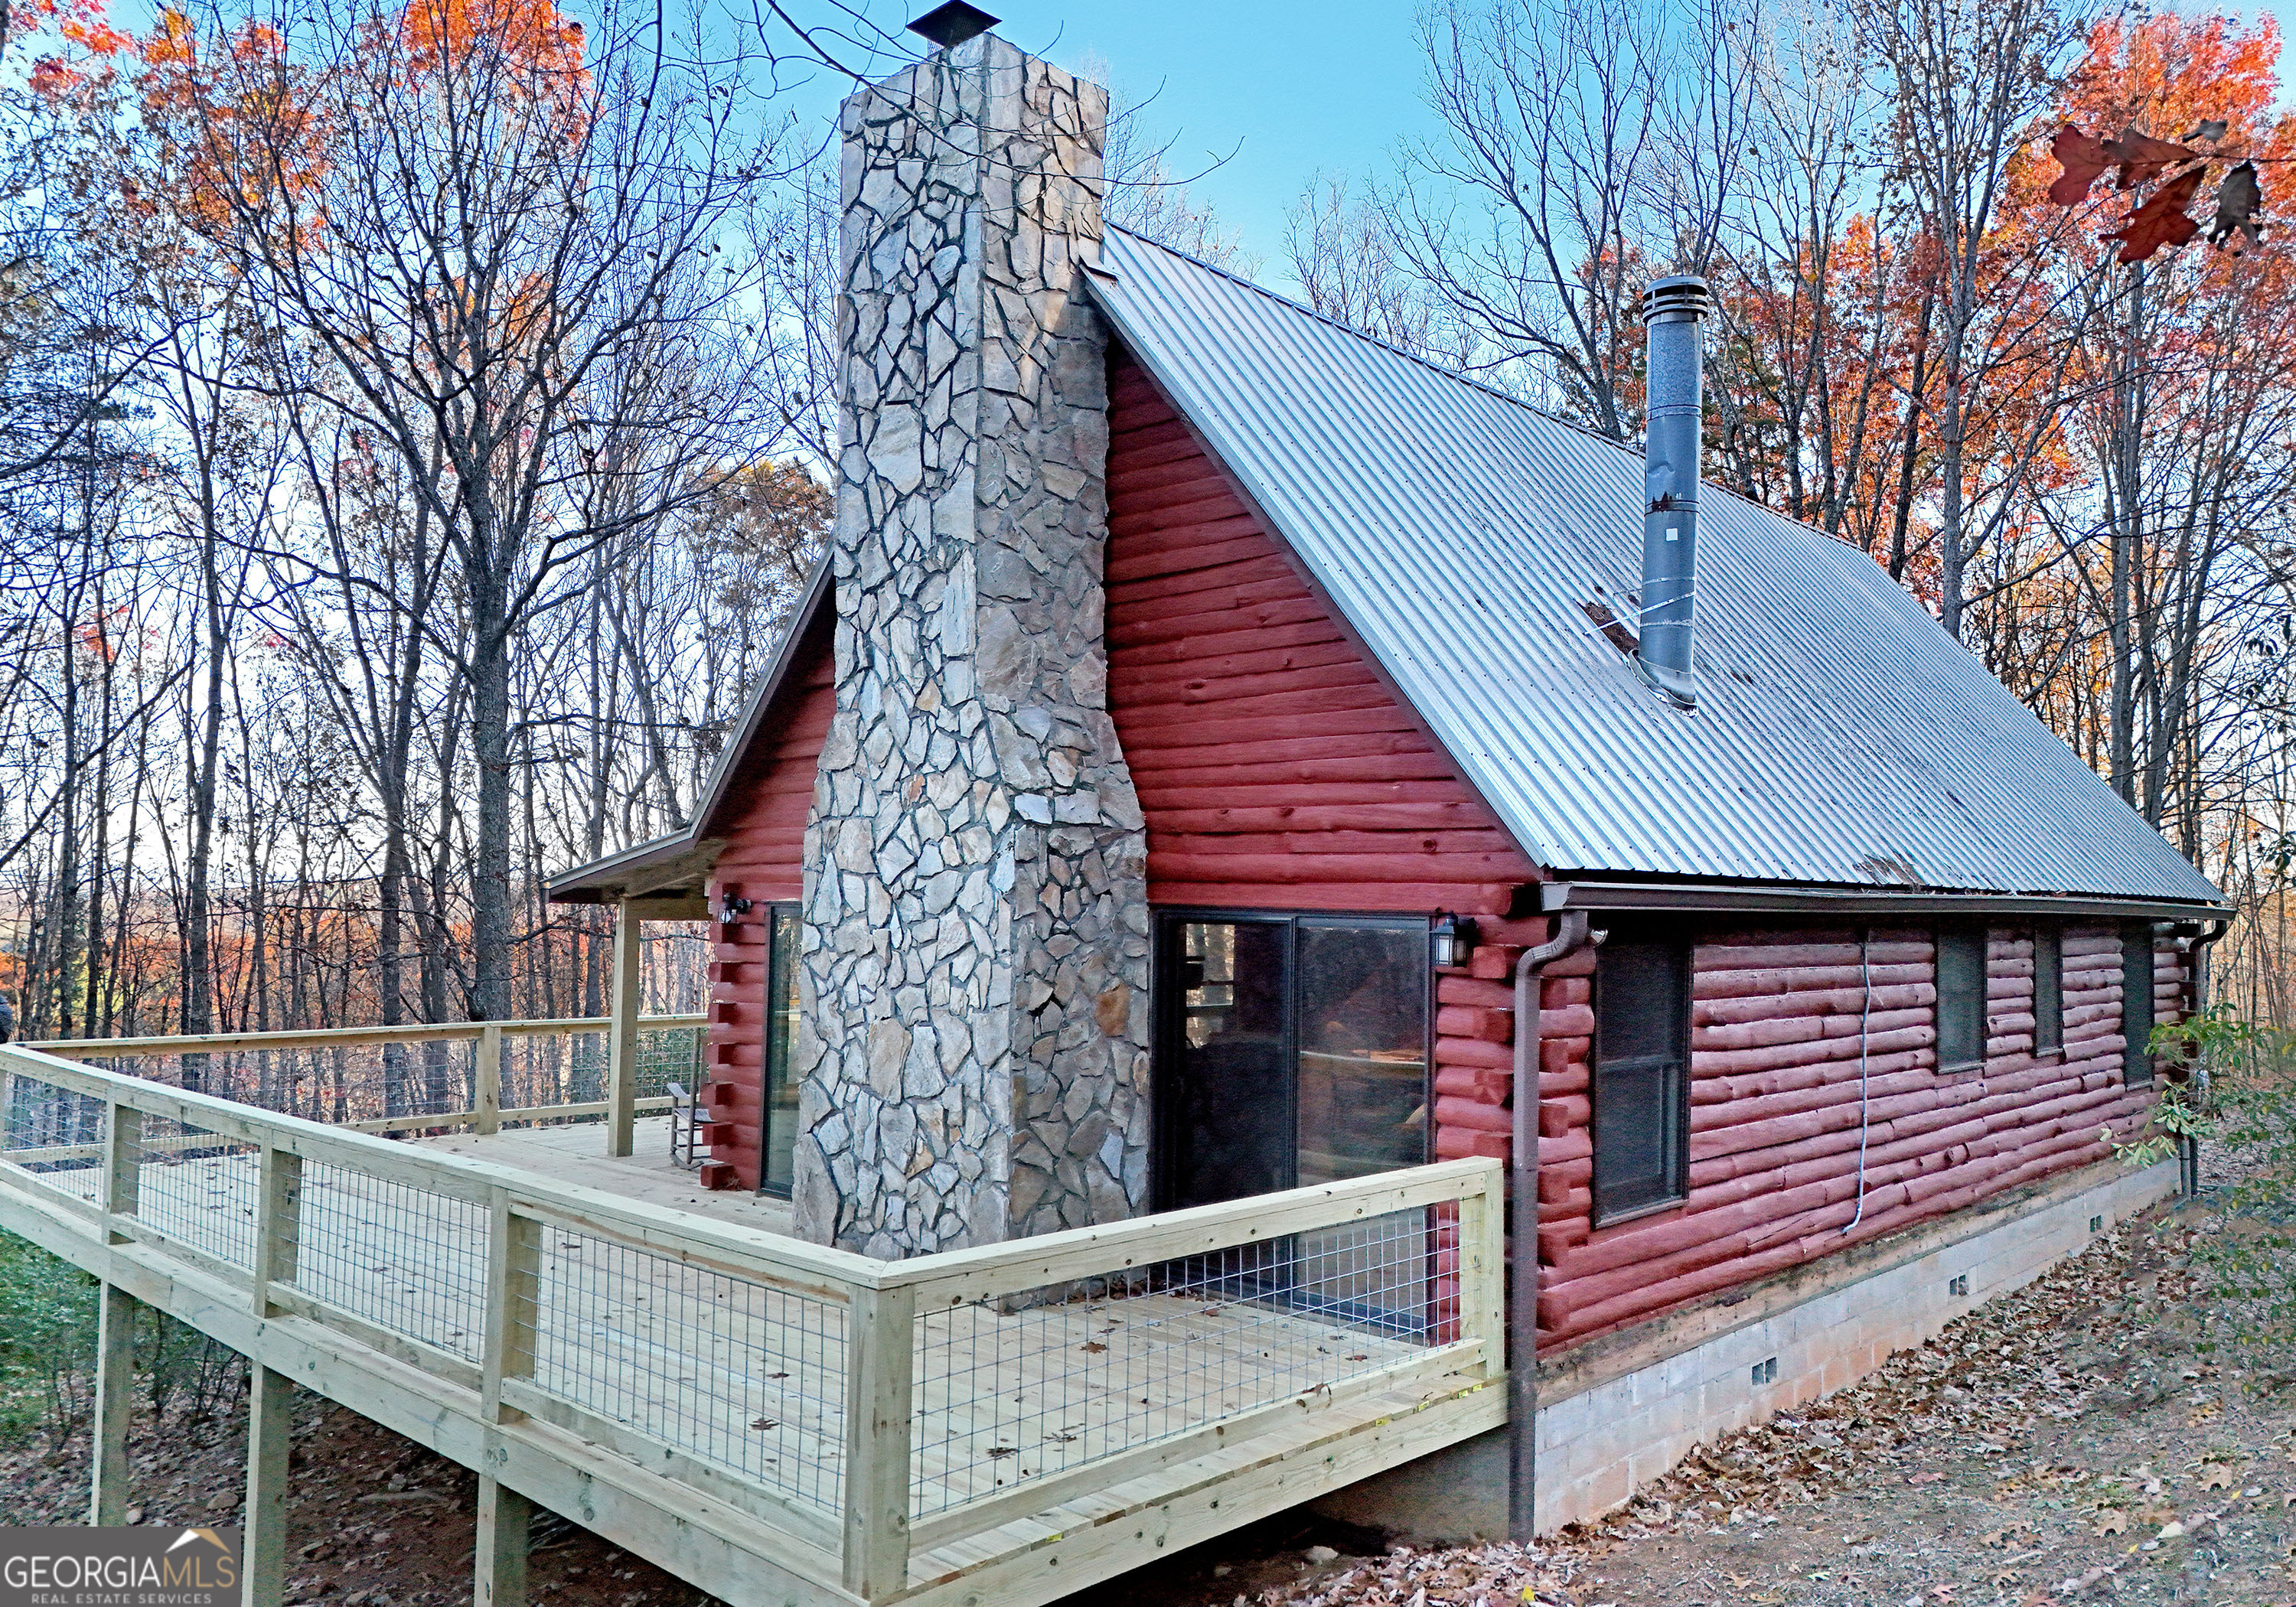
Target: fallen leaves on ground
(2039,1452)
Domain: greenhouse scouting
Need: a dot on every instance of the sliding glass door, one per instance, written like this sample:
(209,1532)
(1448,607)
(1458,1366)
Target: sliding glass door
(778,1120)
(1293,1049)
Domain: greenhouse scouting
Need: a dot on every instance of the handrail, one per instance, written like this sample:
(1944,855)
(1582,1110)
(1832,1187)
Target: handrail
(947,1277)
(752,1251)
(328,1037)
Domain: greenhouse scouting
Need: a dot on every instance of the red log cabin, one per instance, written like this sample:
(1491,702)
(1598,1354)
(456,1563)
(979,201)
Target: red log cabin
(1848,961)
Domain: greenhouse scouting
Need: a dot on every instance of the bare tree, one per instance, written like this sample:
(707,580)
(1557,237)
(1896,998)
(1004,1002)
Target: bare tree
(1341,251)
(507,239)
(1966,79)
(1530,217)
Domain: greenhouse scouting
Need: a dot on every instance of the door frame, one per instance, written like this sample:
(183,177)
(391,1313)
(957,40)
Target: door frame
(773,910)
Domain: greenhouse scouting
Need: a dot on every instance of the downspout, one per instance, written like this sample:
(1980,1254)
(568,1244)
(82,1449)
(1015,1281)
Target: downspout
(1523,1287)
(2188,1156)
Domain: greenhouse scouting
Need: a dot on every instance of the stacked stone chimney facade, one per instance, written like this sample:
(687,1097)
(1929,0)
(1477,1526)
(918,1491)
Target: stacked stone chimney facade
(973,1048)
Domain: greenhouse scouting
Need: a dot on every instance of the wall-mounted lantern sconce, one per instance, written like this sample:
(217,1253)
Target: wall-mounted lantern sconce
(732,910)
(1451,940)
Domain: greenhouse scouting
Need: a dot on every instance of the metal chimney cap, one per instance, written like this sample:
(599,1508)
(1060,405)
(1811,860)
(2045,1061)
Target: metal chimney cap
(1680,297)
(953,24)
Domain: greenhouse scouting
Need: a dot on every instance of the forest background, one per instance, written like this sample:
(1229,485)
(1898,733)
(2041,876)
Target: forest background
(415,422)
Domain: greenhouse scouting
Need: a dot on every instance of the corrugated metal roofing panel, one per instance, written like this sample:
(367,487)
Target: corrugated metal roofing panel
(1840,737)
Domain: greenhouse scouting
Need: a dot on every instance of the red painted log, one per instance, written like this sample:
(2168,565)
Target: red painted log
(1475,1021)
(1473,1052)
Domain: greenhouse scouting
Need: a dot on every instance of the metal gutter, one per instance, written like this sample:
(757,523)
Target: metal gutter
(1772,899)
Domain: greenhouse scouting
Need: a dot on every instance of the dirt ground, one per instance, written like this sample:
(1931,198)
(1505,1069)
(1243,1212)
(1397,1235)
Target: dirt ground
(2068,1444)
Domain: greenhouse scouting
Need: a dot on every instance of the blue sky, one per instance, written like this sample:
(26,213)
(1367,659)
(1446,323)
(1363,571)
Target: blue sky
(1287,86)
(1281,88)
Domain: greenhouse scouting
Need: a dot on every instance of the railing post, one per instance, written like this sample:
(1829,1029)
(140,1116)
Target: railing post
(489,1105)
(1482,1273)
(123,1134)
(879,1334)
(270,1411)
(115,1401)
(622,1038)
(513,1277)
(278,1225)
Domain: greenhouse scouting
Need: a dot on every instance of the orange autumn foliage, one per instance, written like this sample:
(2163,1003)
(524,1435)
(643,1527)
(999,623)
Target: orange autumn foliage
(233,124)
(540,47)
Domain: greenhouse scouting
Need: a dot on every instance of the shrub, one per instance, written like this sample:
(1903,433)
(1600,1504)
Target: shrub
(2238,1089)
(47,1351)
(48,1340)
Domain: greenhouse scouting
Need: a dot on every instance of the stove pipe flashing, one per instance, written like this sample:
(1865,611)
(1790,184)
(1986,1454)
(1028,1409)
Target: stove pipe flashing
(1673,312)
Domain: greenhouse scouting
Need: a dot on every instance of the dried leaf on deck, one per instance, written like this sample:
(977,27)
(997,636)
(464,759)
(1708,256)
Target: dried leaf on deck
(2159,221)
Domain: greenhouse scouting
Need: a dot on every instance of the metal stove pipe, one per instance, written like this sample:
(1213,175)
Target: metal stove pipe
(1674,311)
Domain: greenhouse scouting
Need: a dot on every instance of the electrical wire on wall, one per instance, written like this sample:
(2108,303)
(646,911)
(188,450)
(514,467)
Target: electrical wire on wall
(1864,1083)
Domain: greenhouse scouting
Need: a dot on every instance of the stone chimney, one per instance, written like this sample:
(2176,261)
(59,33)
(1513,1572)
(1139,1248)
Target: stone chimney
(975,1044)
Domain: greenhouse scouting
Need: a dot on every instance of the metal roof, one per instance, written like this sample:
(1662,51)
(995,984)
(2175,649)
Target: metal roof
(1840,736)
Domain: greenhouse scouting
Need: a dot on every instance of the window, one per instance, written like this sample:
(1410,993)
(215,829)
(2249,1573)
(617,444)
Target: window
(2048,990)
(1961,999)
(1291,1050)
(1642,1075)
(2137,1003)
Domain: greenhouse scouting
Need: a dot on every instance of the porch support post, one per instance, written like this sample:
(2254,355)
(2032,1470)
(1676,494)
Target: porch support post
(270,1402)
(115,1398)
(505,1521)
(622,1058)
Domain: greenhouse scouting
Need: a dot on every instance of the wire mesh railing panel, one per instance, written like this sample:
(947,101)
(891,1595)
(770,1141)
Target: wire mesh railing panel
(1038,1384)
(545,1068)
(397,1256)
(743,1377)
(52,1132)
(199,1188)
(542,1069)
(333,1083)
(666,1056)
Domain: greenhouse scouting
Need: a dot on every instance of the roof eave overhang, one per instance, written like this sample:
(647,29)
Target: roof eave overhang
(671,868)
(1724,897)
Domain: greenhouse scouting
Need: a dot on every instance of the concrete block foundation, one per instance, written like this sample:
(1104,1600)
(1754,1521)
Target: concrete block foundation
(1619,1412)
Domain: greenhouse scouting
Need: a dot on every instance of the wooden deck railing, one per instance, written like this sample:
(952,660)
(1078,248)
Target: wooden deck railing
(872,1419)
(365,1079)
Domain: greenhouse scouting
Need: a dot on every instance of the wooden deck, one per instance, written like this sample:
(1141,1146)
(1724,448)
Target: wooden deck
(1061,1409)
(576,1152)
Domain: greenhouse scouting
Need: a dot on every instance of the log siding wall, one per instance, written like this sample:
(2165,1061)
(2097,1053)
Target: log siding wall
(1275,767)
(1276,770)
(763,825)
(1775,1104)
